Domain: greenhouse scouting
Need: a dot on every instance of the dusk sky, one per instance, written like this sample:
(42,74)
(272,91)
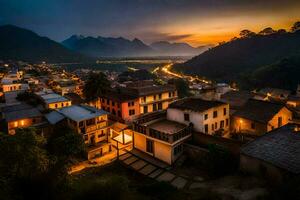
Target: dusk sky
(197,22)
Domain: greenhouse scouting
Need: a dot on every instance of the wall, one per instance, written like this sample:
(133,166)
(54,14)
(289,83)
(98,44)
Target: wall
(286,117)
(194,152)
(260,168)
(203,140)
(22,123)
(197,118)
(241,125)
(162,151)
(57,105)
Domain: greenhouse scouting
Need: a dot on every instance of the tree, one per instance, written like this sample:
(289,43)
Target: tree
(247,34)
(95,86)
(296,27)
(267,31)
(23,164)
(182,87)
(281,31)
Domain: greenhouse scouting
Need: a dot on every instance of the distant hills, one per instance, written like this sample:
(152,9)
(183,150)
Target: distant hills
(252,60)
(121,47)
(22,44)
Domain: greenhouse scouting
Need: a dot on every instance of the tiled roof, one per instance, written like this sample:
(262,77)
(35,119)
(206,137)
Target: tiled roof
(260,111)
(280,147)
(195,104)
(236,98)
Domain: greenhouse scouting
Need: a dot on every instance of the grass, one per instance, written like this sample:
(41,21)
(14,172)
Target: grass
(114,181)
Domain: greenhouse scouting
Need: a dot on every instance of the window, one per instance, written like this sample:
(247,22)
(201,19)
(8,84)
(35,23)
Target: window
(227,122)
(62,104)
(222,124)
(205,116)
(186,117)
(67,104)
(252,125)
(131,103)
(206,128)
(131,112)
(145,109)
(159,96)
(279,121)
(170,94)
(101,134)
(144,99)
(154,107)
(159,106)
(216,125)
(212,127)
(113,103)
(215,114)
(149,146)
(154,97)
(55,105)
(224,111)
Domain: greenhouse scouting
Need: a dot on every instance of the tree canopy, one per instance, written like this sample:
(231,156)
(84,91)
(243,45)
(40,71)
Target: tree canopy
(95,86)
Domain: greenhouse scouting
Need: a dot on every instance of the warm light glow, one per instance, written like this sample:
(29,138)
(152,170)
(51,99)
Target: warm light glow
(22,122)
(241,121)
(16,124)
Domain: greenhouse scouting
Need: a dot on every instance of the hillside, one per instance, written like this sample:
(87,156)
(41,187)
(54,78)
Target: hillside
(234,60)
(22,44)
(283,74)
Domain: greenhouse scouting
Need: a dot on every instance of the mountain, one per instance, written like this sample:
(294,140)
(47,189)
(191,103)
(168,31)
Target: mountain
(177,49)
(107,47)
(239,58)
(283,74)
(22,44)
(121,47)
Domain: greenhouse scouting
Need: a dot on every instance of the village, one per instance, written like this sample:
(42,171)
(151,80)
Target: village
(152,131)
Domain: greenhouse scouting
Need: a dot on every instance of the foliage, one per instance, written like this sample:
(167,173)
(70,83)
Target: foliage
(65,143)
(182,87)
(137,75)
(29,98)
(95,86)
(112,187)
(296,27)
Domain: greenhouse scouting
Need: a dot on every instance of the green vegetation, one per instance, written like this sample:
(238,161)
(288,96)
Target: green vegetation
(182,87)
(96,85)
(29,169)
(29,98)
(137,75)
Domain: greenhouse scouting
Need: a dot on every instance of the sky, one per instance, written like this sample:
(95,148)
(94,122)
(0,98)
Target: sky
(197,22)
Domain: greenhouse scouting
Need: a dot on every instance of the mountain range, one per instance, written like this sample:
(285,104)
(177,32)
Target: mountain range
(22,44)
(244,60)
(121,47)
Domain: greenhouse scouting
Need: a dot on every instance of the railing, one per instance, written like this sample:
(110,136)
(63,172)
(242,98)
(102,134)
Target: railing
(157,100)
(170,138)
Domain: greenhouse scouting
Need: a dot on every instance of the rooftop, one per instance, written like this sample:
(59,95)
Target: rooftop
(260,111)
(81,112)
(20,111)
(165,126)
(53,97)
(236,98)
(195,104)
(149,89)
(280,147)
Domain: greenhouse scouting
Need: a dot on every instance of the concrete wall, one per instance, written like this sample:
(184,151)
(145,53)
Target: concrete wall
(286,117)
(260,168)
(162,151)
(59,104)
(197,118)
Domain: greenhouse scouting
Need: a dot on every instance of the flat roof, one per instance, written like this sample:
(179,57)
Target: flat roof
(20,111)
(81,112)
(53,97)
(166,126)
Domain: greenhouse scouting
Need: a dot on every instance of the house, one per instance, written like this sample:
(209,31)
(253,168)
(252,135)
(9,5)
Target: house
(53,100)
(152,97)
(236,99)
(208,117)
(275,93)
(93,125)
(257,117)
(121,105)
(159,137)
(128,103)
(20,116)
(275,155)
